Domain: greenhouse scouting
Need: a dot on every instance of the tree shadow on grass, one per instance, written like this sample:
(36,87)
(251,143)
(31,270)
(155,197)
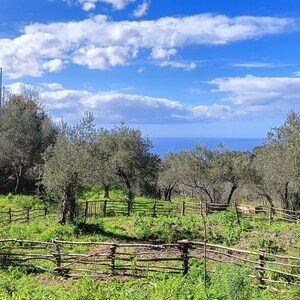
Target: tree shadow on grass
(82,228)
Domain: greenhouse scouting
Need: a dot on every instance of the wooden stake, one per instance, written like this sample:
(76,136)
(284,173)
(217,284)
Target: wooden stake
(104,208)
(184,251)
(261,270)
(237,213)
(183,208)
(9,215)
(112,257)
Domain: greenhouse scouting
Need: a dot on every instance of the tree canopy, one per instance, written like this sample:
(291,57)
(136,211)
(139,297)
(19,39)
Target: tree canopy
(35,153)
(25,132)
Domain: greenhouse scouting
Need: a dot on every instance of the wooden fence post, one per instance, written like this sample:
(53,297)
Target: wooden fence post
(9,215)
(129,203)
(57,256)
(183,208)
(237,213)
(86,209)
(28,215)
(45,211)
(261,270)
(154,209)
(104,208)
(112,256)
(184,254)
(270,215)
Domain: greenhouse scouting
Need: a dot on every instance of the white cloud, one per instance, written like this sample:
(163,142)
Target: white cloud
(88,5)
(115,106)
(297,73)
(18,87)
(160,53)
(91,4)
(100,43)
(261,93)
(178,65)
(260,65)
(53,86)
(142,9)
(102,58)
(253,65)
(54,65)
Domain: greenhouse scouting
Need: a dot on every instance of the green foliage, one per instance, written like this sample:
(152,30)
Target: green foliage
(167,229)
(224,227)
(122,157)
(25,132)
(277,164)
(19,202)
(225,283)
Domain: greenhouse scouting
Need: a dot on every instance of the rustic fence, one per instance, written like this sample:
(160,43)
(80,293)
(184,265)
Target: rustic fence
(103,208)
(10,216)
(107,208)
(99,260)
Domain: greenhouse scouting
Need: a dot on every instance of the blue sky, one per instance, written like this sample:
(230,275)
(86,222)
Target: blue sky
(189,68)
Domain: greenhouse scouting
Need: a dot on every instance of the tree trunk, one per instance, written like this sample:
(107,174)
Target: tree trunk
(284,197)
(106,190)
(69,200)
(123,175)
(18,175)
(166,193)
(17,183)
(64,211)
(233,188)
(170,192)
(269,199)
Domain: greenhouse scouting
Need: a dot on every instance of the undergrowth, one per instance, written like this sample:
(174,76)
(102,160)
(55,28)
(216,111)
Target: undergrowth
(223,281)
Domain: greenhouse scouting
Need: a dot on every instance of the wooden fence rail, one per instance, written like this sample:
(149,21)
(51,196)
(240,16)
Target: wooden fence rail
(10,216)
(98,259)
(103,208)
(106,208)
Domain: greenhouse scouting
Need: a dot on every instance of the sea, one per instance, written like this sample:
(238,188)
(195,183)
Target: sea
(163,145)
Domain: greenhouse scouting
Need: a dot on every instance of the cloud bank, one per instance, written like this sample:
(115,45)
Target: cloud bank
(242,97)
(260,93)
(99,43)
(116,106)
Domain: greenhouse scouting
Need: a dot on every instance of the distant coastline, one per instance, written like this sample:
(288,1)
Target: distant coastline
(163,145)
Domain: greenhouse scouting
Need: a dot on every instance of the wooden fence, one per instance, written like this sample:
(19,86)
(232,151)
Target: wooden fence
(99,260)
(103,208)
(10,216)
(107,208)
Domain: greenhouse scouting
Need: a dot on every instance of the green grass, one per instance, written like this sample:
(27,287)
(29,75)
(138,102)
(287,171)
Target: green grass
(19,202)
(223,281)
(97,193)
(251,233)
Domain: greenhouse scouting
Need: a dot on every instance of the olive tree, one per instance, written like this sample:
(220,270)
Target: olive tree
(212,175)
(103,171)
(124,158)
(278,164)
(68,165)
(169,175)
(25,132)
(230,170)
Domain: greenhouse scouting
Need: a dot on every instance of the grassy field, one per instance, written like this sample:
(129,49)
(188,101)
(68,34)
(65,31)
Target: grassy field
(223,281)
